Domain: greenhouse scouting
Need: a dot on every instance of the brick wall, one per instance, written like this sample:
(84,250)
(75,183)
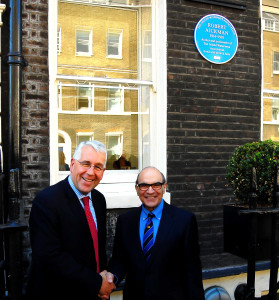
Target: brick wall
(35,100)
(211,110)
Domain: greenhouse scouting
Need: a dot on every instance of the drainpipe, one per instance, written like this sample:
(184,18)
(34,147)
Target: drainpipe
(13,229)
(15,62)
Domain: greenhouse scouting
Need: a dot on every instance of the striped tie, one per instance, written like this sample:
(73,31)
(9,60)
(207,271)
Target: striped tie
(148,237)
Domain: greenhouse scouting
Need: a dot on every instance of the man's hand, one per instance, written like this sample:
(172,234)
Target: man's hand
(107,285)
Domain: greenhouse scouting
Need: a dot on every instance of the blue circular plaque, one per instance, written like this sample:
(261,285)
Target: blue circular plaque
(216,39)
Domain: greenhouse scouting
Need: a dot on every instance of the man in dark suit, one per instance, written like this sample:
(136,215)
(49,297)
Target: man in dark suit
(169,269)
(66,255)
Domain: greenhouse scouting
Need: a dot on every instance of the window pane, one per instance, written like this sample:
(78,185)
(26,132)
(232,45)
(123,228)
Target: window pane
(271,117)
(147,47)
(276,61)
(114,43)
(114,102)
(271,131)
(82,103)
(81,137)
(82,41)
(103,98)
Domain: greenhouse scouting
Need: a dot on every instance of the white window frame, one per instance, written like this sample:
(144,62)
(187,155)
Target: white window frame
(90,41)
(147,59)
(120,41)
(89,134)
(120,138)
(271,22)
(121,100)
(118,185)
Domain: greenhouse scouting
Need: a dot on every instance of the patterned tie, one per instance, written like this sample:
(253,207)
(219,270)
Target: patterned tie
(93,229)
(148,237)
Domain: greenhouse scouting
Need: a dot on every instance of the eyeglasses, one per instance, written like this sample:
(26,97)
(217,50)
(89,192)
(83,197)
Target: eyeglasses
(88,166)
(145,186)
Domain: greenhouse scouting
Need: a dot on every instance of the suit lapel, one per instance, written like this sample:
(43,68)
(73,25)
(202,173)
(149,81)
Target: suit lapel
(164,230)
(75,207)
(72,199)
(134,223)
(135,242)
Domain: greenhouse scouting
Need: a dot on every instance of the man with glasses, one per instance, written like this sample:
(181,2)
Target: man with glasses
(156,247)
(68,232)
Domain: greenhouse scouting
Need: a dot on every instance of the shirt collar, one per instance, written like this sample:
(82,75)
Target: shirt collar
(77,192)
(157,212)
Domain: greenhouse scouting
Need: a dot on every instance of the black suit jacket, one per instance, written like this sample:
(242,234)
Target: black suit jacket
(63,257)
(174,269)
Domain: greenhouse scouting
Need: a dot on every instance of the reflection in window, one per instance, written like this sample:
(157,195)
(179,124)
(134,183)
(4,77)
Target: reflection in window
(84,136)
(275,109)
(114,144)
(84,98)
(147,46)
(64,151)
(275,113)
(276,61)
(114,102)
(100,98)
(58,39)
(114,43)
(107,97)
(271,116)
(83,42)
(270,22)
(63,166)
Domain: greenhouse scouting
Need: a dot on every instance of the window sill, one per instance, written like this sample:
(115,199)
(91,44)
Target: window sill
(114,57)
(84,54)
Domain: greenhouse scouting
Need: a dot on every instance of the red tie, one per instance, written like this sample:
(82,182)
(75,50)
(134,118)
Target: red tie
(93,229)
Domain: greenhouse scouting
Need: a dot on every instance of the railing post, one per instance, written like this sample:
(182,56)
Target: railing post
(2,250)
(252,238)
(273,253)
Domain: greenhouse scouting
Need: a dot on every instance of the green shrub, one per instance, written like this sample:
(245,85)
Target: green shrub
(264,156)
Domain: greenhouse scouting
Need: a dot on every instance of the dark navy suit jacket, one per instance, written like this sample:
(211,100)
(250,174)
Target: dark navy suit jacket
(63,257)
(174,270)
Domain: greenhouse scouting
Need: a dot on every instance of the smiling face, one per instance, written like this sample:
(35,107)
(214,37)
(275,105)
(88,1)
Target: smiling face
(150,198)
(85,179)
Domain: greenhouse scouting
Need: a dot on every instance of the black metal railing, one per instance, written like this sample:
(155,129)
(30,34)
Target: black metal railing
(247,291)
(11,267)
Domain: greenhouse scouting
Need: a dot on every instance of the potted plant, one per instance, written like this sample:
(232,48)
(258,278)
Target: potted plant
(263,156)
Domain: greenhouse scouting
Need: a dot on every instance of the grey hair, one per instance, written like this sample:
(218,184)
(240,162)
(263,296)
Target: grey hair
(96,145)
(150,167)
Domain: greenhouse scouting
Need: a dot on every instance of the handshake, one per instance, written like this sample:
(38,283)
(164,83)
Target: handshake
(107,285)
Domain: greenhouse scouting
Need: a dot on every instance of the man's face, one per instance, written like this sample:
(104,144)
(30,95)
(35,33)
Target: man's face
(151,198)
(83,178)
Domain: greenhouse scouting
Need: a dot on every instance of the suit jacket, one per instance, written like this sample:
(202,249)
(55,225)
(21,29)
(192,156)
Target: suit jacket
(63,257)
(174,269)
